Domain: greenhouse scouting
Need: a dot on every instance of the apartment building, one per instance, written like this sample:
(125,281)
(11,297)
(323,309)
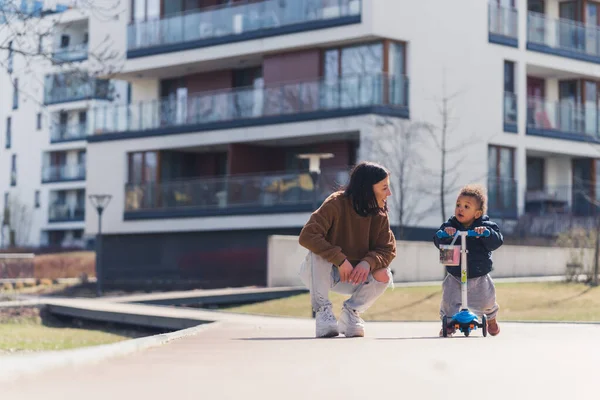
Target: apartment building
(46,97)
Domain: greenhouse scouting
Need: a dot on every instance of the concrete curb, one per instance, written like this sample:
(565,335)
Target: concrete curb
(15,366)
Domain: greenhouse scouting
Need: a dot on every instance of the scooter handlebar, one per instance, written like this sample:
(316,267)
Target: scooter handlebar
(442,234)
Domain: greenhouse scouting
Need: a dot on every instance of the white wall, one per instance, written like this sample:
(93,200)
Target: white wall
(419,261)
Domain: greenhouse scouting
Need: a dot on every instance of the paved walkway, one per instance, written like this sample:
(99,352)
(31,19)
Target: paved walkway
(279,359)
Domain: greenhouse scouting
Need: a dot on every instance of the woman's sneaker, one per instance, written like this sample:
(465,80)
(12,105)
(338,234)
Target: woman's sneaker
(351,324)
(327,325)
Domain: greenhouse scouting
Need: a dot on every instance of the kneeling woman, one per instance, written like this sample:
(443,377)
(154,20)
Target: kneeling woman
(350,249)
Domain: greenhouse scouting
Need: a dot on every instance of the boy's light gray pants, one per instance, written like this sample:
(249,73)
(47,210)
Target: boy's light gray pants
(481,296)
(320,277)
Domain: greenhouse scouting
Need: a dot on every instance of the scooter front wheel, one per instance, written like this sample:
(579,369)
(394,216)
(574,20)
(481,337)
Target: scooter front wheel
(484,325)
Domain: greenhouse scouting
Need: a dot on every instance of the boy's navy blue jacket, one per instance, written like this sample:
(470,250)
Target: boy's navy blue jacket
(479,256)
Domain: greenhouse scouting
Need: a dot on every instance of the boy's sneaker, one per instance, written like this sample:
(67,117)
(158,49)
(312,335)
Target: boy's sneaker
(327,325)
(351,324)
(492,327)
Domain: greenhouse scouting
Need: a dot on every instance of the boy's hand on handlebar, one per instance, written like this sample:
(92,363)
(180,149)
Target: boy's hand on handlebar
(450,231)
(480,229)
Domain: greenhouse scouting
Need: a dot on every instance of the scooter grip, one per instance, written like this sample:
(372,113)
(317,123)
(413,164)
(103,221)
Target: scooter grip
(485,233)
(442,234)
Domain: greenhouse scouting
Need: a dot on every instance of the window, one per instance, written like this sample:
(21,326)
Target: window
(39,121)
(509,76)
(37,199)
(41,45)
(86,38)
(8,140)
(362,69)
(64,41)
(6,200)
(502,194)
(13,170)
(15,94)
(10,57)
(535,173)
(510,99)
(143,167)
(146,10)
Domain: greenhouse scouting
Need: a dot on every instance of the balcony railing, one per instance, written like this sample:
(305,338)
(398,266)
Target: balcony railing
(244,103)
(565,118)
(579,199)
(71,54)
(563,37)
(234,19)
(259,193)
(510,112)
(66,212)
(502,197)
(503,22)
(75,90)
(63,133)
(63,173)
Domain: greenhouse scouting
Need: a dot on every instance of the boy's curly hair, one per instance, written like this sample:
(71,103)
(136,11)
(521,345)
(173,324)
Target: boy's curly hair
(478,192)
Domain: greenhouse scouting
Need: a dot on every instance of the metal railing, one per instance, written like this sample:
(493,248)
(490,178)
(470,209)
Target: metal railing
(63,173)
(567,115)
(63,132)
(234,19)
(71,54)
(244,103)
(77,89)
(563,34)
(503,21)
(235,191)
(66,212)
(510,108)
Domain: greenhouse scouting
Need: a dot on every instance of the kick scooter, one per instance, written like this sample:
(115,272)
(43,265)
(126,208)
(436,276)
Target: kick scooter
(464,320)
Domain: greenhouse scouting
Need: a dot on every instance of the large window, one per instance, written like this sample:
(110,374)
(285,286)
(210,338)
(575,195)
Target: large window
(501,183)
(143,167)
(365,73)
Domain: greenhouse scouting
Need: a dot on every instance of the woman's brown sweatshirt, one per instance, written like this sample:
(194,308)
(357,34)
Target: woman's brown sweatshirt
(336,232)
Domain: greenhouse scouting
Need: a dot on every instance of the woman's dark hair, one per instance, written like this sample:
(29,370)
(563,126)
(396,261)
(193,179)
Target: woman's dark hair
(360,188)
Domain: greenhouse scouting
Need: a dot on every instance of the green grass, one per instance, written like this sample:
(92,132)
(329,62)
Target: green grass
(549,301)
(28,330)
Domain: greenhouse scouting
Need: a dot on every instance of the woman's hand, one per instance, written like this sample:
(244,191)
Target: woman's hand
(345,271)
(360,273)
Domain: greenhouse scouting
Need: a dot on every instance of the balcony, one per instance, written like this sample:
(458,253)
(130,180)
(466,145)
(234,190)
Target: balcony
(67,89)
(503,25)
(563,38)
(510,112)
(564,119)
(66,212)
(230,195)
(243,107)
(71,54)
(502,198)
(63,173)
(67,133)
(235,23)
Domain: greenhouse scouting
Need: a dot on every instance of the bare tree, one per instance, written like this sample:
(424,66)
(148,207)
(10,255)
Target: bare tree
(396,142)
(451,152)
(16,221)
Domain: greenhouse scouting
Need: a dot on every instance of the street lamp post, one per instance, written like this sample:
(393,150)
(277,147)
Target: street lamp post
(100,202)
(314,168)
